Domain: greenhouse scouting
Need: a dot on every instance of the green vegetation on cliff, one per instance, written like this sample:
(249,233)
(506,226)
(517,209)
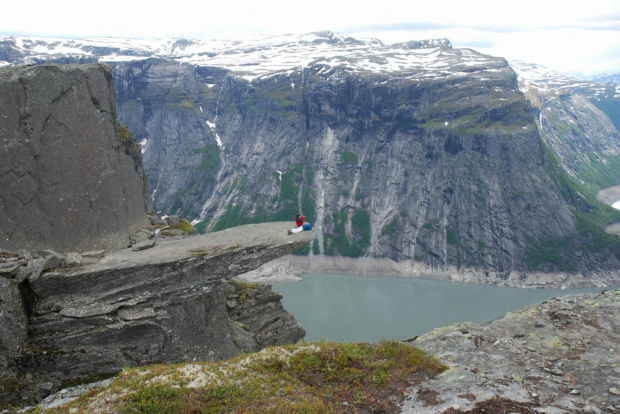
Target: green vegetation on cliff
(611,107)
(210,160)
(348,157)
(233,217)
(180,99)
(598,170)
(287,198)
(590,239)
(306,378)
(288,203)
(340,243)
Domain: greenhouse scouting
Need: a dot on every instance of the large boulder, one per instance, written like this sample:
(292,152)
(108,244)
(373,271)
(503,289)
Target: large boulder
(67,179)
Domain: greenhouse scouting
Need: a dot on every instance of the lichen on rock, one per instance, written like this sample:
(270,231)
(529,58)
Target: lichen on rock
(560,355)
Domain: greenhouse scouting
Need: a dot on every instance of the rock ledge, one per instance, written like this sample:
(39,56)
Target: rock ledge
(170,303)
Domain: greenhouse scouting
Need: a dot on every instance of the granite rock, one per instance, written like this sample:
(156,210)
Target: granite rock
(67,181)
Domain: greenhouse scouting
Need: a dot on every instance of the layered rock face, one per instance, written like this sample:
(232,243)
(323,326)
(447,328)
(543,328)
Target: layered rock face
(68,181)
(13,323)
(170,303)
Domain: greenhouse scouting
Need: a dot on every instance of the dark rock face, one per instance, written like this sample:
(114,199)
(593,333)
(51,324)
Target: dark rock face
(13,323)
(257,308)
(67,180)
(170,303)
(157,100)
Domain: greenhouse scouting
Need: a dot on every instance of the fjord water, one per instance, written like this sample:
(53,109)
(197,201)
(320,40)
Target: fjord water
(346,308)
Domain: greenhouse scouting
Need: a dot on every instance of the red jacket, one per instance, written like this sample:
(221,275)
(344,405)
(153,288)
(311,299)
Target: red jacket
(298,222)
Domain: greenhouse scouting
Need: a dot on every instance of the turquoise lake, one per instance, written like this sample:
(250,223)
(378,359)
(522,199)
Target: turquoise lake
(346,308)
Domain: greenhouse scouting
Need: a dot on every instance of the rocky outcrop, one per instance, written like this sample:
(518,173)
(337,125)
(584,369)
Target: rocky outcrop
(557,356)
(258,310)
(67,177)
(169,303)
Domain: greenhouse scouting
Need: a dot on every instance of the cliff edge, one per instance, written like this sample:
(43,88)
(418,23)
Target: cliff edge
(171,303)
(71,180)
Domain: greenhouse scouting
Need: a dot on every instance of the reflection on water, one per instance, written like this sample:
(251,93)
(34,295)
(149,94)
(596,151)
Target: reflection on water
(348,308)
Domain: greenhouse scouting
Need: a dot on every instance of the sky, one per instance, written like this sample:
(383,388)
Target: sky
(568,35)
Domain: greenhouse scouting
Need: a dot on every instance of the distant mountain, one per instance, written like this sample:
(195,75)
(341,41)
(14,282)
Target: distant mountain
(437,157)
(604,94)
(571,122)
(608,78)
(247,59)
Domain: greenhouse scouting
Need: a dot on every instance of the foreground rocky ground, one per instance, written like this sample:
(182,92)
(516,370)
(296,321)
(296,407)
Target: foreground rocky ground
(559,356)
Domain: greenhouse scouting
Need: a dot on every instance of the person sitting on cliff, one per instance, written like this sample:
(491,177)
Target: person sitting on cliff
(300,220)
(305,226)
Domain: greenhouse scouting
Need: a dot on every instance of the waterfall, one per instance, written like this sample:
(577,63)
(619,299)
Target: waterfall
(213,126)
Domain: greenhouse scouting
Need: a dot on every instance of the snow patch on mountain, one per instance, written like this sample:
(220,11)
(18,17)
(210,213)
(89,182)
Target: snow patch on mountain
(263,57)
(546,82)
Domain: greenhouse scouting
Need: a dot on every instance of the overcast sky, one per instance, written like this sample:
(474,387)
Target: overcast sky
(565,35)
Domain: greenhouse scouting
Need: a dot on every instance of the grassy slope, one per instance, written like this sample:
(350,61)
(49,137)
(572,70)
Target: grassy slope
(308,378)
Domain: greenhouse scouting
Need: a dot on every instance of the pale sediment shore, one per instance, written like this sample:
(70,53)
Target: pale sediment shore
(613,229)
(288,268)
(609,195)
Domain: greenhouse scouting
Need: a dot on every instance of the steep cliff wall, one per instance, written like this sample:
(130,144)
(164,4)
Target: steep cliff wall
(417,152)
(445,171)
(66,177)
(578,121)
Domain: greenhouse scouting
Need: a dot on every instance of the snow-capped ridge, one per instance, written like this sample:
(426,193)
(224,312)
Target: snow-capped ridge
(548,81)
(424,44)
(253,57)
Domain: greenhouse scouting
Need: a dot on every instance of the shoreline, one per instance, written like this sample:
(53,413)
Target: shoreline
(289,268)
(609,195)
